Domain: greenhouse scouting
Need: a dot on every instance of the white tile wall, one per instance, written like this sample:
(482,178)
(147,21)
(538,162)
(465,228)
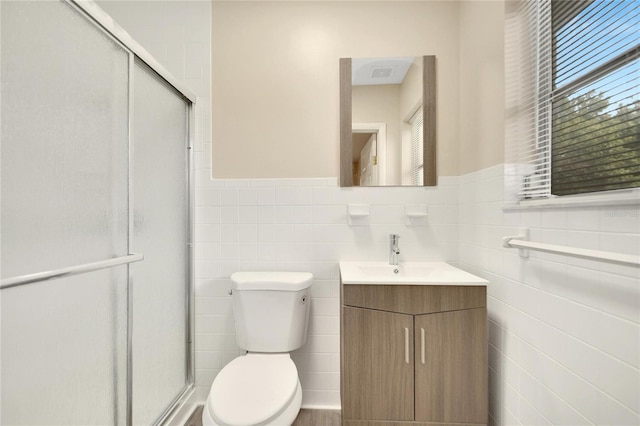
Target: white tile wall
(301,225)
(564,333)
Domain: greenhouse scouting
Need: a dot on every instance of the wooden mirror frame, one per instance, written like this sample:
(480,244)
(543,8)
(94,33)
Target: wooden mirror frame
(428,122)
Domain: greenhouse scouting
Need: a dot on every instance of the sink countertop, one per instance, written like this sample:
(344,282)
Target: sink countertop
(409,273)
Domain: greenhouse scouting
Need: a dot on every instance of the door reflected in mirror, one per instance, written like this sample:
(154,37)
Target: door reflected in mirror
(387,128)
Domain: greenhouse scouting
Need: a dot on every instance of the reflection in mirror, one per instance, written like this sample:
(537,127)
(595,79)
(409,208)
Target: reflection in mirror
(387,128)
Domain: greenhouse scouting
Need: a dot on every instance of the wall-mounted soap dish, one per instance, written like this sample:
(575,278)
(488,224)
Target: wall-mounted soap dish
(416,214)
(358,214)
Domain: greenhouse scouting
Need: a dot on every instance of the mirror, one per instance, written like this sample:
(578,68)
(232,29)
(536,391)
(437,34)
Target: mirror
(387,121)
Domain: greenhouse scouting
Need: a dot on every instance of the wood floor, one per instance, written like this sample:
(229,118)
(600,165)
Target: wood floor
(318,418)
(305,418)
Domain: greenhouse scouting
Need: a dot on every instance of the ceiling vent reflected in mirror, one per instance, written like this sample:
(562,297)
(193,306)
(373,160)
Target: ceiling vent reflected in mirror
(372,71)
(381,72)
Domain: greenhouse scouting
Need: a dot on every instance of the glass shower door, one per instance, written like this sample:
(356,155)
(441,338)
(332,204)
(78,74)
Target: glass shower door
(64,183)
(161,232)
(94,167)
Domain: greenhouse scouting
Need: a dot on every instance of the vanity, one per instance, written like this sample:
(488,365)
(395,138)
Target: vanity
(413,345)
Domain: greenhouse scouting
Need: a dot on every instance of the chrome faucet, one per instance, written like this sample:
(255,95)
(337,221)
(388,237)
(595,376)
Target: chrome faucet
(394,251)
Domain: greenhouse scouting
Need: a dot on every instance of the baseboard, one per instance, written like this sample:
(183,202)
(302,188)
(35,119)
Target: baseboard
(321,407)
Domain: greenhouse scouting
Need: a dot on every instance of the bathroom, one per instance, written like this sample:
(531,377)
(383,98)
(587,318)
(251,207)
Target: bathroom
(563,333)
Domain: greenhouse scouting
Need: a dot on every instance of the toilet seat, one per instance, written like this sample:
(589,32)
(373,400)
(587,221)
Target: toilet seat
(253,389)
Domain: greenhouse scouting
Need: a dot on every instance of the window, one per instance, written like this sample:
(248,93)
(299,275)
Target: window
(575,127)
(417,148)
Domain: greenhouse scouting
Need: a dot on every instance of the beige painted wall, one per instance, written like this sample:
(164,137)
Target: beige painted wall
(411,89)
(381,104)
(481,84)
(275,78)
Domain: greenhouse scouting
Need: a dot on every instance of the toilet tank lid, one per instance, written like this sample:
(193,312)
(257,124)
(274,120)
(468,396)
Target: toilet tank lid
(269,280)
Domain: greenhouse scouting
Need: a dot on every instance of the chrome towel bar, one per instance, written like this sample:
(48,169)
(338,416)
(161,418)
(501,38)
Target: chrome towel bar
(68,271)
(521,242)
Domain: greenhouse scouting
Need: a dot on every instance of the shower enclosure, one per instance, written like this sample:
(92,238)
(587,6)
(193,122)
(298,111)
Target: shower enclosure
(95,226)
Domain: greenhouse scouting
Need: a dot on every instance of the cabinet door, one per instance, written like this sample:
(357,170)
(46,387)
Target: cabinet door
(451,376)
(377,365)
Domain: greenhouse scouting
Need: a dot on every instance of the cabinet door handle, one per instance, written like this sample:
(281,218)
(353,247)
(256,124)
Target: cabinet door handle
(406,345)
(422,345)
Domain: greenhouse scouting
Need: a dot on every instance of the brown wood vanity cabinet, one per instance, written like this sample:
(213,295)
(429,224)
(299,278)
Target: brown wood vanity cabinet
(414,355)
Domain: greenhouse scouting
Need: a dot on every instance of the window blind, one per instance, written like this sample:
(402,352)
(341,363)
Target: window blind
(417,148)
(596,96)
(528,85)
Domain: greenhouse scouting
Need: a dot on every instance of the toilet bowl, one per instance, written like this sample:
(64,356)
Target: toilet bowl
(255,389)
(271,313)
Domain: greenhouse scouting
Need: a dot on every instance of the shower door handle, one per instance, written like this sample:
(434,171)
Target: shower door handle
(69,271)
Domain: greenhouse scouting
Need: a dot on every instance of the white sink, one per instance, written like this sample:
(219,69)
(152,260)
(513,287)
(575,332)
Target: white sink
(413,273)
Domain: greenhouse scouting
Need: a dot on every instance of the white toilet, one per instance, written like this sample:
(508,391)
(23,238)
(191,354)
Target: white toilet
(271,311)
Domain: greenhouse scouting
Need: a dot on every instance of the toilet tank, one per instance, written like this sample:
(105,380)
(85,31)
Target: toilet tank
(271,310)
